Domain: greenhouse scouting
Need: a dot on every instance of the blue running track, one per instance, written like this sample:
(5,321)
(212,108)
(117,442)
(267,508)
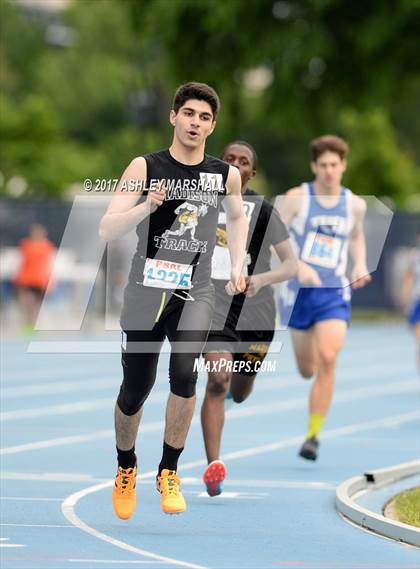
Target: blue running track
(277,511)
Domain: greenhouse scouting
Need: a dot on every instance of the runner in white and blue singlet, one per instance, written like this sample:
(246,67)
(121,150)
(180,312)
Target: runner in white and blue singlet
(325,222)
(320,236)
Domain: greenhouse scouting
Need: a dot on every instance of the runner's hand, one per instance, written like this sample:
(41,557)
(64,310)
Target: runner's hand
(156,196)
(307,275)
(360,277)
(253,285)
(237,282)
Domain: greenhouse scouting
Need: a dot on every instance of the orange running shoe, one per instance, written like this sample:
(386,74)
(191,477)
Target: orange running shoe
(124,492)
(214,476)
(171,499)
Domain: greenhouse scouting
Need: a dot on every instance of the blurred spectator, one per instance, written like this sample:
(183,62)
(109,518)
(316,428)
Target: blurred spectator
(32,279)
(410,293)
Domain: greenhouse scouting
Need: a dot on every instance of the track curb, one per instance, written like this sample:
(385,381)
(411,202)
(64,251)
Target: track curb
(347,492)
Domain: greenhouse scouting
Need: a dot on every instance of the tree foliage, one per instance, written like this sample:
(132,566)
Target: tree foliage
(285,71)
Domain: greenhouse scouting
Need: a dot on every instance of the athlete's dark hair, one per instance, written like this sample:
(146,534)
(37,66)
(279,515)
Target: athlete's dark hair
(242,143)
(199,91)
(330,143)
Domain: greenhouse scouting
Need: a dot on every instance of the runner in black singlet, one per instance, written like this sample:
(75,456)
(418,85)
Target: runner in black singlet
(169,292)
(242,327)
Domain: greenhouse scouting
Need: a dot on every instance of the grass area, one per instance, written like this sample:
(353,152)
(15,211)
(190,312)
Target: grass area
(375,315)
(407,506)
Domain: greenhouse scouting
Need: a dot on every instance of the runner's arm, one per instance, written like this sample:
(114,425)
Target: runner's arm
(123,214)
(236,225)
(288,204)
(288,207)
(407,286)
(289,264)
(287,270)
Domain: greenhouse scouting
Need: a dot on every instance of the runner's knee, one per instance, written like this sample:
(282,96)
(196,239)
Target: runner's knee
(327,357)
(182,377)
(130,402)
(306,368)
(218,383)
(239,397)
(139,374)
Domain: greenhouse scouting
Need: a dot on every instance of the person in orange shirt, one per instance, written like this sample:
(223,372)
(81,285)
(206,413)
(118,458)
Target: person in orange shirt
(34,272)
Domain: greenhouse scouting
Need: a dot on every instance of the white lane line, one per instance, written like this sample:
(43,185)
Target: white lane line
(114,561)
(63,409)
(391,421)
(49,476)
(13,376)
(46,372)
(75,407)
(69,504)
(103,375)
(83,406)
(234,413)
(339,397)
(29,499)
(192,481)
(4,544)
(87,384)
(287,380)
(233,495)
(146,428)
(71,526)
(186,481)
(59,441)
(67,508)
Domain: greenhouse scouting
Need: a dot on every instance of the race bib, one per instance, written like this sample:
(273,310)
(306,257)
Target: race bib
(166,274)
(322,250)
(211,182)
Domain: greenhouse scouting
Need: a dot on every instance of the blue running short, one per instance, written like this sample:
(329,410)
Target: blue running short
(313,305)
(414,314)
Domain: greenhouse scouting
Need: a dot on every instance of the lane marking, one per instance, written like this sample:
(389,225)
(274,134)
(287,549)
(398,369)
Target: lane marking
(4,544)
(113,561)
(233,495)
(191,481)
(339,397)
(49,476)
(186,481)
(59,441)
(341,565)
(234,413)
(63,409)
(29,499)
(391,421)
(87,384)
(52,374)
(38,525)
(69,504)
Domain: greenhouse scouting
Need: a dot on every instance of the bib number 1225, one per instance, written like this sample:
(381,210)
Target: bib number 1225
(166,274)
